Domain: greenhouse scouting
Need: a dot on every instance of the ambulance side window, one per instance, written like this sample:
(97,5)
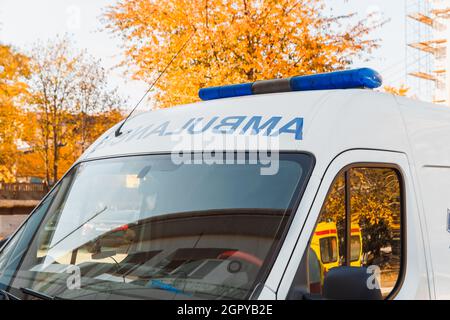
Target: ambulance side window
(359,226)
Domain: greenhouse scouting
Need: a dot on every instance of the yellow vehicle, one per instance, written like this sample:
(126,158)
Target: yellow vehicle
(325,244)
(356,246)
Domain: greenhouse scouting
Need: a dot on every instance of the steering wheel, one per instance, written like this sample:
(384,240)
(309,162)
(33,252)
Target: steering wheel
(241,255)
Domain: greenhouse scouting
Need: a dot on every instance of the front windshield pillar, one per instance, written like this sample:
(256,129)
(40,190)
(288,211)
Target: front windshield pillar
(266,294)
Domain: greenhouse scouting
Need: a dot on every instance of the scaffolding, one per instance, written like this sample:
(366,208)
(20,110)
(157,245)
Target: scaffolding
(427,54)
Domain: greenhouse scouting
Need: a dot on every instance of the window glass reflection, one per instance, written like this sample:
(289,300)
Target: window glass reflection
(369,232)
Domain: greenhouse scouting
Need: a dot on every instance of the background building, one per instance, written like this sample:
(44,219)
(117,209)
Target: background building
(427,62)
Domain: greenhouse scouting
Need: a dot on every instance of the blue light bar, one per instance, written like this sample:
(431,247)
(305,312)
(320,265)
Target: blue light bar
(348,79)
(234,90)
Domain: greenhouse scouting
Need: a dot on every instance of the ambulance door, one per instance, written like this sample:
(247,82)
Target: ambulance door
(369,196)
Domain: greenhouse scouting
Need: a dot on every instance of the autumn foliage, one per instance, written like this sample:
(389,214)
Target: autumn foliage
(232,41)
(69,101)
(14,70)
(374,201)
(54,102)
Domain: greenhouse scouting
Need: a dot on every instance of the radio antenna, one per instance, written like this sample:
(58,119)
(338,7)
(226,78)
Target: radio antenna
(118,131)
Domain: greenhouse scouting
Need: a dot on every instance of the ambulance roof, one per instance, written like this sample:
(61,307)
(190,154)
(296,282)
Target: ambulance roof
(324,123)
(315,121)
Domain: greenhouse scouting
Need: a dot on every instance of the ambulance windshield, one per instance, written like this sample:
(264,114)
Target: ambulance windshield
(144,227)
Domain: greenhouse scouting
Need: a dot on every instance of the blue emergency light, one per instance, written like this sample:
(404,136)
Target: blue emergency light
(348,79)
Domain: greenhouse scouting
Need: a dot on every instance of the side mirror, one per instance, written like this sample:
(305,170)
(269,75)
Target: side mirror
(350,283)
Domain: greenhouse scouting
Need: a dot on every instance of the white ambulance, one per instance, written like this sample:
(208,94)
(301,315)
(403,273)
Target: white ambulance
(313,187)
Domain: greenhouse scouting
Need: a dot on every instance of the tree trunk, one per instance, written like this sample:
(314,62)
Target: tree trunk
(83,133)
(55,154)
(47,163)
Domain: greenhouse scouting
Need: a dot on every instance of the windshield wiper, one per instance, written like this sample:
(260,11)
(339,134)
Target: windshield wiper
(8,296)
(39,295)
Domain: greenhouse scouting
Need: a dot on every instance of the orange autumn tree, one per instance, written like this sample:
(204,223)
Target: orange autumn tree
(29,161)
(14,70)
(232,41)
(70,105)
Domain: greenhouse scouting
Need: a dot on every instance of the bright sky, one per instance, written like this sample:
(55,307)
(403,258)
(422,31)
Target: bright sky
(22,22)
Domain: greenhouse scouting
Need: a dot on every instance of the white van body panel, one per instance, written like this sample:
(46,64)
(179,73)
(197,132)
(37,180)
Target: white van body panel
(331,119)
(412,134)
(428,129)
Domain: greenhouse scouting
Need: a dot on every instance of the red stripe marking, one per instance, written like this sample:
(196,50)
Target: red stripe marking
(321,233)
